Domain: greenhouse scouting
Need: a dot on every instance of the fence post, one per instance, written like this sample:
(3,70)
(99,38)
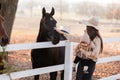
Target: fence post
(68,61)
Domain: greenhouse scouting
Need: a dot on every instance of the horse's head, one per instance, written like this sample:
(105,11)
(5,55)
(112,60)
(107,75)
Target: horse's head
(47,24)
(3,35)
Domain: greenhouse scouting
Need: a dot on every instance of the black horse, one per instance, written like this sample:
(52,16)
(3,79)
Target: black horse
(48,56)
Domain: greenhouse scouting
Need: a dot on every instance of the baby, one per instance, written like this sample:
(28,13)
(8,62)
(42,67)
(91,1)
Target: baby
(82,48)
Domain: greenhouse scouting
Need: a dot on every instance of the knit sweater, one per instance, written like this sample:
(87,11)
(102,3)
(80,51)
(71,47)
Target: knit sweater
(95,44)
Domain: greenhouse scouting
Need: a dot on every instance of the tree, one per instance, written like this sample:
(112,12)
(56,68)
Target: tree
(113,11)
(8,10)
(90,9)
(117,13)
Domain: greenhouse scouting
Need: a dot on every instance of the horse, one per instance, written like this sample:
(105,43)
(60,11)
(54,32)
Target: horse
(48,56)
(3,39)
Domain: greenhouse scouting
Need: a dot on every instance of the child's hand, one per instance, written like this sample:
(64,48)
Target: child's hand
(82,50)
(74,67)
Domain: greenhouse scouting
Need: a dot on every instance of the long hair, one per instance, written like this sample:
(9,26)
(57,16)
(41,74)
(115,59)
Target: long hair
(93,32)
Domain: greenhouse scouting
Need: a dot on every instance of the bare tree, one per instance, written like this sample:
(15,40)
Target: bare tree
(90,8)
(8,10)
(116,13)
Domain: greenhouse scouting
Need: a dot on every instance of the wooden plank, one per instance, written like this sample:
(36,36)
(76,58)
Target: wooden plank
(31,72)
(105,40)
(108,59)
(4,77)
(113,77)
(68,61)
(13,47)
(111,39)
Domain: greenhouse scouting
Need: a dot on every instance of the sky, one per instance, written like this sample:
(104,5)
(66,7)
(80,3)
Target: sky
(96,1)
(76,1)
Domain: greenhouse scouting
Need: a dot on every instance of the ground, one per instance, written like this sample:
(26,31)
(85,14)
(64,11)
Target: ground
(25,30)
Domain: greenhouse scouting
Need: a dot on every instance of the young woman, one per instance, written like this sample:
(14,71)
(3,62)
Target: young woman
(88,50)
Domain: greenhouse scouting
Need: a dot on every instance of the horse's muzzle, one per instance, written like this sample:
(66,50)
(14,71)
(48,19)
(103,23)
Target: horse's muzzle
(55,42)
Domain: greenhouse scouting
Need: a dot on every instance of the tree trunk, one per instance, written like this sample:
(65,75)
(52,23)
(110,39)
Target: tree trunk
(8,11)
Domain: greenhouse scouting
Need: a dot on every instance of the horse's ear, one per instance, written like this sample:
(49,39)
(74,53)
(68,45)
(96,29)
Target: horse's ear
(43,12)
(52,12)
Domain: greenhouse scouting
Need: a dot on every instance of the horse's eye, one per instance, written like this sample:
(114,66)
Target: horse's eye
(51,19)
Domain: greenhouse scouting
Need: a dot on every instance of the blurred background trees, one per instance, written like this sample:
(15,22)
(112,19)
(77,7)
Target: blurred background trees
(116,12)
(107,11)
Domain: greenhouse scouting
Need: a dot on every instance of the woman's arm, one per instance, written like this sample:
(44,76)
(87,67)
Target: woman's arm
(97,48)
(69,36)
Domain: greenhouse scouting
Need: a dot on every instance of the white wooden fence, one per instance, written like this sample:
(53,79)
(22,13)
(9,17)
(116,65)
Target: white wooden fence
(67,66)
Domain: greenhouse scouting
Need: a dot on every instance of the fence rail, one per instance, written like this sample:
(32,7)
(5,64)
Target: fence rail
(67,66)
(15,47)
(31,72)
(113,77)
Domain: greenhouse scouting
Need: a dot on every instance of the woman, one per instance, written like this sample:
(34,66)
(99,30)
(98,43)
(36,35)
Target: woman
(88,50)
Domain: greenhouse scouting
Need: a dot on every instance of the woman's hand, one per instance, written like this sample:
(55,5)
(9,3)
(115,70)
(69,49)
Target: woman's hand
(59,31)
